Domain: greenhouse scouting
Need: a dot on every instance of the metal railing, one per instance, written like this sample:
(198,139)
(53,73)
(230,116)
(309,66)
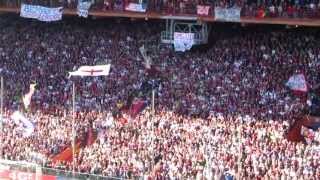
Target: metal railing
(21,170)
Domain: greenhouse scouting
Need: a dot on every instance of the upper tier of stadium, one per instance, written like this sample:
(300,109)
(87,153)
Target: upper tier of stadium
(262,12)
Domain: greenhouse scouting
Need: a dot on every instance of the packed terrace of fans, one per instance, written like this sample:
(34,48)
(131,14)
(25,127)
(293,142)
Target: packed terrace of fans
(287,9)
(222,110)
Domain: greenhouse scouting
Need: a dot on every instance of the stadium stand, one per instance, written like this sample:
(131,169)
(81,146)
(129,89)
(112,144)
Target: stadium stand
(221,111)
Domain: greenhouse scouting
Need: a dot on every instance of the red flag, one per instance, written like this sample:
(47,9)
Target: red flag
(137,107)
(294,133)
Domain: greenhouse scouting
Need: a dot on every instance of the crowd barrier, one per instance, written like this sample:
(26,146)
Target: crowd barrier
(31,171)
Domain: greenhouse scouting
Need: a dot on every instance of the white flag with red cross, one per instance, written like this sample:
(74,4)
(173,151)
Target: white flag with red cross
(99,70)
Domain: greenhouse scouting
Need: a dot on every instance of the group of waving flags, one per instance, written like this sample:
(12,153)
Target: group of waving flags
(297,83)
(27,126)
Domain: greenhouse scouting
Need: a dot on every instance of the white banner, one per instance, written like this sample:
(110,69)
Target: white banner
(26,99)
(136,7)
(203,10)
(227,14)
(83,9)
(28,127)
(41,13)
(183,41)
(297,83)
(147,59)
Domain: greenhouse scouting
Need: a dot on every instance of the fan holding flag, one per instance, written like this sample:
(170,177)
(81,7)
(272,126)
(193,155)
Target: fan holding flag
(311,118)
(93,71)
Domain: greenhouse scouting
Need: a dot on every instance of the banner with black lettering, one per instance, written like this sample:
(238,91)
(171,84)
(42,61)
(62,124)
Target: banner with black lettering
(41,13)
(136,7)
(83,8)
(227,14)
(183,41)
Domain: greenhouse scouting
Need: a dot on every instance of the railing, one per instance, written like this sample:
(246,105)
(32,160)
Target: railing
(25,171)
(286,10)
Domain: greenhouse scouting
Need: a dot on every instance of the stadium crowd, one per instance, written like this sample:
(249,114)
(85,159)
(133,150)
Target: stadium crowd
(220,111)
(286,8)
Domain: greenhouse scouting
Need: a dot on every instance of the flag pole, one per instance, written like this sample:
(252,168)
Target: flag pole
(1,103)
(153,94)
(73,127)
(153,129)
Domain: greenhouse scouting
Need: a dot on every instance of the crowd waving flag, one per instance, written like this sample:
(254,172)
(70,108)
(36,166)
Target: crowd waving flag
(27,97)
(297,82)
(99,70)
(295,132)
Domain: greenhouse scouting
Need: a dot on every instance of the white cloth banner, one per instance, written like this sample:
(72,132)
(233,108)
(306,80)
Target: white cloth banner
(41,13)
(227,14)
(27,97)
(203,10)
(297,82)
(183,41)
(99,70)
(27,125)
(147,59)
(136,7)
(83,8)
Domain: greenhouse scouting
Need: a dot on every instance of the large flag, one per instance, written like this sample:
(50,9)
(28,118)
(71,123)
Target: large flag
(297,82)
(137,106)
(295,132)
(311,122)
(27,125)
(99,70)
(27,97)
